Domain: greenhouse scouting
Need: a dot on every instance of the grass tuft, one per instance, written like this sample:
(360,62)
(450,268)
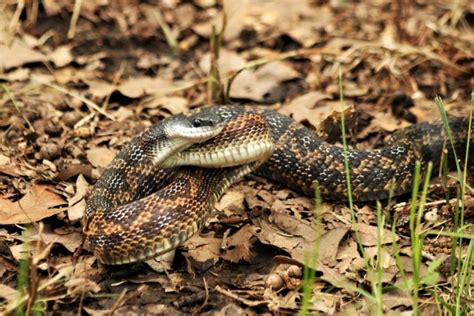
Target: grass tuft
(311,258)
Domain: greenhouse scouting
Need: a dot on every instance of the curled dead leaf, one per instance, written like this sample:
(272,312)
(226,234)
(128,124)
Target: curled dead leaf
(38,203)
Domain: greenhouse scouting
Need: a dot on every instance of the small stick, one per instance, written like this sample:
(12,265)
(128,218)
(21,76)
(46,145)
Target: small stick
(18,108)
(75,17)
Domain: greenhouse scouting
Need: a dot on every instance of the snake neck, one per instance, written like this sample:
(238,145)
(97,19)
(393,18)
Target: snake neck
(231,175)
(214,182)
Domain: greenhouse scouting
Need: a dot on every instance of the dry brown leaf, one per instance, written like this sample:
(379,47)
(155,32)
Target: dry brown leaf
(425,109)
(368,235)
(99,88)
(100,156)
(38,203)
(292,225)
(228,62)
(7,168)
(203,249)
(260,84)
(236,11)
(80,283)
(61,56)
(18,54)
(347,252)
(19,74)
(386,260)
(9,294)
(135,87)
(231,201)
(396,298)
(139,86)
(329,245)
(238,245)
(305,108)
(255,85)
(172,104)
(122,114)
(324,302)
(162,262)
(385,121)
(4,160)
(70,241)
(77,204)
(300,249)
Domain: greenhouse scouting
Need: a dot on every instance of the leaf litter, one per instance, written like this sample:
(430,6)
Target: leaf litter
(87,96)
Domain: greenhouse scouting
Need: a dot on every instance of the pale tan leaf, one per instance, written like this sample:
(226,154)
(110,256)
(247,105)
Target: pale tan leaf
(61,56)
(38,203)
(139,86)
(7,293)
(232,200)
(100,156)
(368,234)
(203,249)
(70,241)
(239,244)
(18,54)
(330,245)
(172,104)
(308,108)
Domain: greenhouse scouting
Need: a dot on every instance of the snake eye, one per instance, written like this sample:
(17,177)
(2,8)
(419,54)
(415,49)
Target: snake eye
(200,122)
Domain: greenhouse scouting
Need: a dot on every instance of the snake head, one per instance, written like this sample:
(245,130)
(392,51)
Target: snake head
(177,133)
(245,138)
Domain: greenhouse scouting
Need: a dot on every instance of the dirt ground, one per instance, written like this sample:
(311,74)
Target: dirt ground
(79,79)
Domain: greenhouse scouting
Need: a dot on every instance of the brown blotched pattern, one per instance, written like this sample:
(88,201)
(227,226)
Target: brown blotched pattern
(137,210)
(302,161)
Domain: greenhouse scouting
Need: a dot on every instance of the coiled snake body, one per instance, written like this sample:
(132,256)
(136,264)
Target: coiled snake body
(145,204)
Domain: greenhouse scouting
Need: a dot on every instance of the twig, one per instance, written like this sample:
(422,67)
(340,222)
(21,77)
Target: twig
(16,17)
(119,302)
(117,77)
(75,17)
(89,103)
(240,299)
(33,12)
(18,108)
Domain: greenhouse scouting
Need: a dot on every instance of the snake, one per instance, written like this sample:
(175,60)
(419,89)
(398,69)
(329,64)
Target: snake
(161,187)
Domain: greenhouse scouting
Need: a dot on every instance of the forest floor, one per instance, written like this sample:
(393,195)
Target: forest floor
(77,82)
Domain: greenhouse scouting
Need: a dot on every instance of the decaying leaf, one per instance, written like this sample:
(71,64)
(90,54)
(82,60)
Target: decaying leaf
(238,245)
(368,235)
(38,203)
(17,54)
(100,156)
(257,85)
(7,293)
(231,201)
(203,250)
(77,204)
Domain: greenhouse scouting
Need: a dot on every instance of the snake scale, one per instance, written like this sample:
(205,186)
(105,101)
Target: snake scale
(148,201)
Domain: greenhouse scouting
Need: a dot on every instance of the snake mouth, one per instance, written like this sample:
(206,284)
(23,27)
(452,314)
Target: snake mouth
(221,157)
